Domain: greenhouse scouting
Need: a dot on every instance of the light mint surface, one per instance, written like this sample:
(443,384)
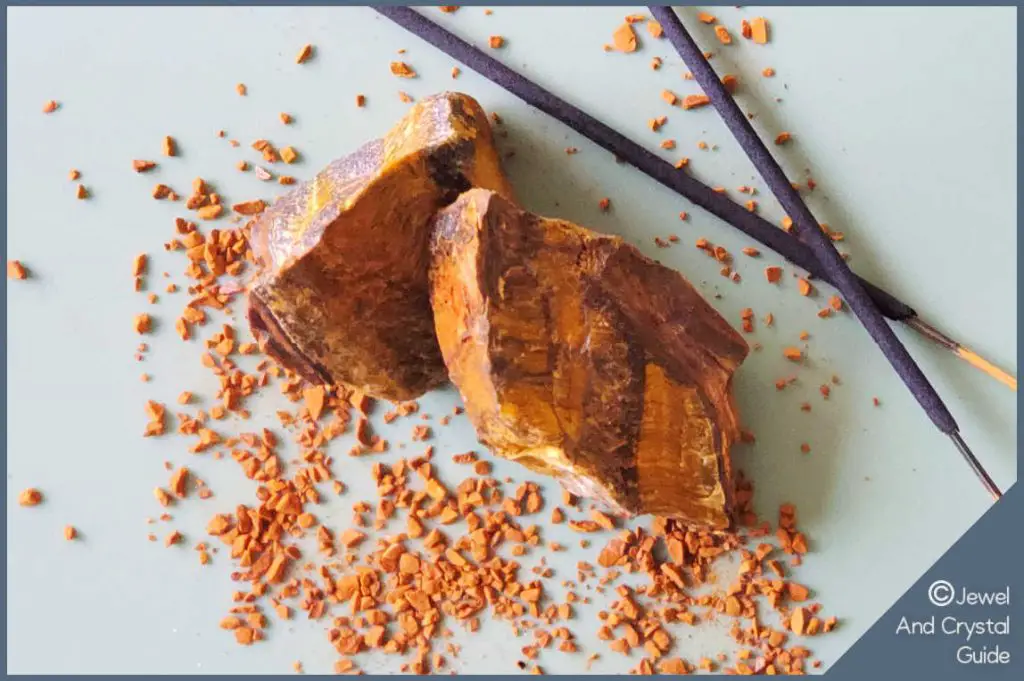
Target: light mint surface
(906,119)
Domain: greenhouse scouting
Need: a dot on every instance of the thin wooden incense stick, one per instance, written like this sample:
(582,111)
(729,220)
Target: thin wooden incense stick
(961,351)
(809,230)
(658,169)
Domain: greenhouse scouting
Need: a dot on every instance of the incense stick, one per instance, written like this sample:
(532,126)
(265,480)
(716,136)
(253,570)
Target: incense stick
(646,162)
(809,230)
(962,351)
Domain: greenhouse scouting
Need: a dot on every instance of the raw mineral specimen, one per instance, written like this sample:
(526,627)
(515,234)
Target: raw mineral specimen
(581,358)
(342,295)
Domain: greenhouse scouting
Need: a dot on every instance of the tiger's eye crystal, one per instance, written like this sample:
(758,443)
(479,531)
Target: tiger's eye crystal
(342,296)
(579,357)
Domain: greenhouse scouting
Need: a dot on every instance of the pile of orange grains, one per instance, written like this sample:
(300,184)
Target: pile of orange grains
(429,555)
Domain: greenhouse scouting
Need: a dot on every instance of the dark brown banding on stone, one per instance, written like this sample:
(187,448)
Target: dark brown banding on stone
(342,296)
(579,357)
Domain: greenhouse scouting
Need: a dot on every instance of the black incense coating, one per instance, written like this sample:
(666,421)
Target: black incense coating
(643,160)
(804,222)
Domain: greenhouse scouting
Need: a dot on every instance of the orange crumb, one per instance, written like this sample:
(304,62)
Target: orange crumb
(695,101)
(170,146)
(706,18)
(139,265)
(792,354)
(804,287)
(15,270)
(759,30)
(304,54)
(360,100)
(142,323)
(624,38)
(211,212)
(241,89)
(782,138)
(402,70)
(496,42)
(289,155)
(604,204)
(251,207)
(722,33)
(768,72)
(285,118)
(70,532)
(773,274)
(50,106)
(655,29)
(30,497)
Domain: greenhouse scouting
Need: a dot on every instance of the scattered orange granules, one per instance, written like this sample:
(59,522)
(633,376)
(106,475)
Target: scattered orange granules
(398,593)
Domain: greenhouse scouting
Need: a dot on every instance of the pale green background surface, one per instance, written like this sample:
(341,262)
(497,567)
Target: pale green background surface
(906,118)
